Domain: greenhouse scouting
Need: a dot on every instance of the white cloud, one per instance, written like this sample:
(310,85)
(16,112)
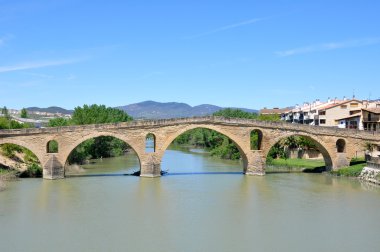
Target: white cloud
(227,27)
(37,64)
(329,46)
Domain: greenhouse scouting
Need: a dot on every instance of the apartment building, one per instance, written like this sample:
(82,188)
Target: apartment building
(308,113)
(346,113)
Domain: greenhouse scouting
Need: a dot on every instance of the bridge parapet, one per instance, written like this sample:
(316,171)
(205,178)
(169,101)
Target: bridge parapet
(329,131)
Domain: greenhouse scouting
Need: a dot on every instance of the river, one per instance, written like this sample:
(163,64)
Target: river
(203,204)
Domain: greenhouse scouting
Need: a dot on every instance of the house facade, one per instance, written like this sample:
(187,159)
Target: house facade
(352,114)
(371,119)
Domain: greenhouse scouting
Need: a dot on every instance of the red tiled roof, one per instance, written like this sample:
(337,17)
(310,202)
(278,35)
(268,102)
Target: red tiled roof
(348,117)
(338,103)
(274,111)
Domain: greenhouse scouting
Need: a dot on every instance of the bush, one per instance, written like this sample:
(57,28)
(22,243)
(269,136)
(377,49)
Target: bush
(33,171)
(351,171)
(9,150)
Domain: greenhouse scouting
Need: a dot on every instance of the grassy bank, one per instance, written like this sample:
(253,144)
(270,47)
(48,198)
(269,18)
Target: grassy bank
(296,165)
(350,171)
(354,170)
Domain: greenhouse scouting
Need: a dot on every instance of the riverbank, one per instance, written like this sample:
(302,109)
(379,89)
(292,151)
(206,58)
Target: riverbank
(350,171)
(295,165)
(371,175)
(296,162)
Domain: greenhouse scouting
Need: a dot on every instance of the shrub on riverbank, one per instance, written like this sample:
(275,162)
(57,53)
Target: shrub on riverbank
(354,170)
(350,171)
(33,171)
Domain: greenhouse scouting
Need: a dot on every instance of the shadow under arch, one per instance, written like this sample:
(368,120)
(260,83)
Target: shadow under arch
(327,156)
(227,134)
(69,149)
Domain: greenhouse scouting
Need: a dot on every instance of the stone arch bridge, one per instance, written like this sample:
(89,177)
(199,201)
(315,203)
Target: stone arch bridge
(337,146)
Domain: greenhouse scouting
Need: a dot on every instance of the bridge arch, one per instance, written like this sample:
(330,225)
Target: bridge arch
(70,148)
(321,146)
(28,161)
(27,145)
(235,139)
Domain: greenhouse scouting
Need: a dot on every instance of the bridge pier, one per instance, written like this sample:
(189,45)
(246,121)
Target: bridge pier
(150,165)
(53,168)
(340,161)
(255,163)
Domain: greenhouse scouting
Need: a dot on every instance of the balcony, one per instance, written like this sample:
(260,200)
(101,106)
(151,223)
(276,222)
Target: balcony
(374,118)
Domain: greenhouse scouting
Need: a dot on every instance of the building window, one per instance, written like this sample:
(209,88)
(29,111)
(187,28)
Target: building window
(322,113)
(343,106)
(354,105)
(353,125)
(322,121)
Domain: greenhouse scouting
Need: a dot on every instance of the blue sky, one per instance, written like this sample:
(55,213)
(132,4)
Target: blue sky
(228,53)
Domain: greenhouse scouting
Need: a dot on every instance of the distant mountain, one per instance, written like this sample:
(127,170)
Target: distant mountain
(50,110)
(153,110)
(158,110)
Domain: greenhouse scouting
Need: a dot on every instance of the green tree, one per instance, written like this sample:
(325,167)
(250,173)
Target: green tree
(235,113)
(58,122)
(24,113)
(4,111)
(95,114)
(12,124)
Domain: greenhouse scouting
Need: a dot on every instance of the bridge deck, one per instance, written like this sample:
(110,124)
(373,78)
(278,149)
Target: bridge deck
(334,131)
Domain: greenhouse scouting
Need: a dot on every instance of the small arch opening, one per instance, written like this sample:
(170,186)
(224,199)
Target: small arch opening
(341,146)
(52,147)
(256,137)
(150,143)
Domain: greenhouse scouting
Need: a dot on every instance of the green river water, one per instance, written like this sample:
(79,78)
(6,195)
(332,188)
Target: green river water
(203,204)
